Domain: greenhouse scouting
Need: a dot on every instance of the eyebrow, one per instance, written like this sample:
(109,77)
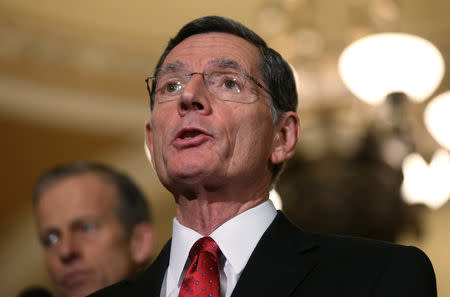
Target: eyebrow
(170,67)
(217,62)
(85,218)
(227,63)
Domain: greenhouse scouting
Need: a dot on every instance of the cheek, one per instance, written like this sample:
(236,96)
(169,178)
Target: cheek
(253,132)
(120,267)
(99,257)
(160,132)
(247,139)
(54,266)
(52,262)
(116,243)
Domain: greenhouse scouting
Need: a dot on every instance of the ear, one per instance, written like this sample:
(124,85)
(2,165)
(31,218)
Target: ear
(149,142)
(142,242)
(286,137)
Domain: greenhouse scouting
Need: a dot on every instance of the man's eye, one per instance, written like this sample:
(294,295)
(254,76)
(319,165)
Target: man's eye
(172,87)
(83,228)
(226,81)
(50,240)
(232,85)
(87,227)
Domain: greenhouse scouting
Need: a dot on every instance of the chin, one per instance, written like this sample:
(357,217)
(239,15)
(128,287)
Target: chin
(189,170)
(82,292)
(187,179)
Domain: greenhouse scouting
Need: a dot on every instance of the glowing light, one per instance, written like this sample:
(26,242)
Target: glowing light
(437,120)
(380,64)
(276,199)
(428,184)
(148,155)
(296,79)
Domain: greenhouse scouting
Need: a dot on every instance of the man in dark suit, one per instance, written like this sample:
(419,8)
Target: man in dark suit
(223,122)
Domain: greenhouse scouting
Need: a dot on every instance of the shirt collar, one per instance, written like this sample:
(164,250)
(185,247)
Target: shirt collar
(237,238)
(183,238)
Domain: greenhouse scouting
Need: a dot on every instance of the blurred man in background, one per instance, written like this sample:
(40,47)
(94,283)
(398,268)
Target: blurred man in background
(94,225)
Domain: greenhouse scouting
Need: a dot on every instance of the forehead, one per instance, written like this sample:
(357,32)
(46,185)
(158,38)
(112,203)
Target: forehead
(197,50)
(77,196)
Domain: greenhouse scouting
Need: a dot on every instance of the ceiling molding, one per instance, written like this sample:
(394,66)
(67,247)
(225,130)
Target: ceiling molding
(77,110)
(47,44)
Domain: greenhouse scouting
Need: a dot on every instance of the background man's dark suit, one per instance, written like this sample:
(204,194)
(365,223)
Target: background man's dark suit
(290,262)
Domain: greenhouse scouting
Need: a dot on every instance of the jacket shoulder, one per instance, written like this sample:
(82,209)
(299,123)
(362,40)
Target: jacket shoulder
(353,266)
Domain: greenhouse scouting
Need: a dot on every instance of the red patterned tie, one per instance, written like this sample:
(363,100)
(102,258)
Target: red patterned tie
(202,277)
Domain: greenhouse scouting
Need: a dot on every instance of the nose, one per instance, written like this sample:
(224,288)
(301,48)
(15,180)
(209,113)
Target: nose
(195,96)
(68,250)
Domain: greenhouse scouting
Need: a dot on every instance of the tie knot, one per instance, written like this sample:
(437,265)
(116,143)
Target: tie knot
(207,245)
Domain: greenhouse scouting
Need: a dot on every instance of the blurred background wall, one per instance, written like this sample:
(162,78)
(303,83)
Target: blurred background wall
(72,87)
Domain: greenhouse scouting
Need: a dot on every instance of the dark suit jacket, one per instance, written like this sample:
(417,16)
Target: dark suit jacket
(290,262)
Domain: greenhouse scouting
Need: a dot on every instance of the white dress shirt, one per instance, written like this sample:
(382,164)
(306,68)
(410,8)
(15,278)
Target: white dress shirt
(236,238)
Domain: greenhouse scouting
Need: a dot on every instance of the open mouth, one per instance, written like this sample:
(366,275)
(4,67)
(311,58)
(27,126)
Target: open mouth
(190,134)
(189,137)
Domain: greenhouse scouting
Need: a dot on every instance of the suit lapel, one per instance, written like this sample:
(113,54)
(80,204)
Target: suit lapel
(148,283)
(279,263)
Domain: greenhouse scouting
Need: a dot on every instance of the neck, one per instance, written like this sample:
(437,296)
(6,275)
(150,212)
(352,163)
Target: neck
(204,211)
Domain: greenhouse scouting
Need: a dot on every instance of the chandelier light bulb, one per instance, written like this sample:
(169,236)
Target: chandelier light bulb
(426,183)
(381,64)
(437,120)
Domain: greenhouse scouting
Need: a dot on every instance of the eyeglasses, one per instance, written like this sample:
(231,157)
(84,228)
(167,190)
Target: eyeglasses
(227,85)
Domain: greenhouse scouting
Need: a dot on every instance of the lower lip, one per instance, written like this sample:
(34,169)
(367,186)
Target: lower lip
(74,278)
(182,143)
